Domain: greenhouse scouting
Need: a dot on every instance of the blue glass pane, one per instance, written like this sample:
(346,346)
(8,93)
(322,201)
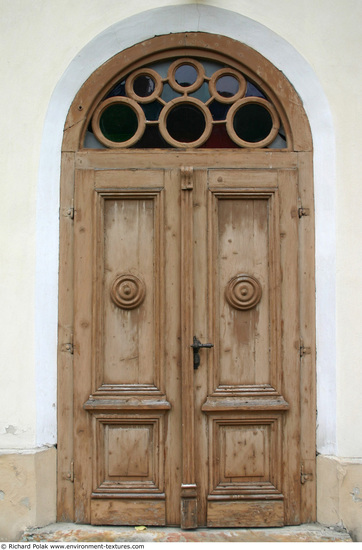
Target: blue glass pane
(185,75)
(202,93)
(219,110)
(161,67)
(152,110)
(118,90)
(211,67)
(253,91)
(227,85)
(168,93)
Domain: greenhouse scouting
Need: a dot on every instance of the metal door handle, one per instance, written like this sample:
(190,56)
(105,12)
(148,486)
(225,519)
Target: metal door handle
(196,347)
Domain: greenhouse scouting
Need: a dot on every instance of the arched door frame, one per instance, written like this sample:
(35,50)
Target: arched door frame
(115,39)
(297,156)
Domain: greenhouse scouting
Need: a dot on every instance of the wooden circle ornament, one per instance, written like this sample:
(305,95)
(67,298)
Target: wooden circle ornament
(149,76)
(243,292)
(128,291)
(186,64)
(268,133)
(125,139)
(234,76)
(199,109)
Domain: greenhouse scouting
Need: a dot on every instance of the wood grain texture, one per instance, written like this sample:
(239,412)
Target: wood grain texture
(65,488)
(307,332)
(188,487)
(83,313)
(145,512)
(245,514)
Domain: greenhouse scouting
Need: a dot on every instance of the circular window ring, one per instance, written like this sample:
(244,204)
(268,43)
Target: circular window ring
(185,101)
(195,85)
(252,101)
(141,119)
(144,72)
(227,72)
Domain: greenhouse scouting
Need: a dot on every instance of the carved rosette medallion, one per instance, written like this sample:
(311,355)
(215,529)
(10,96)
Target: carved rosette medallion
(128,291)
(243,292)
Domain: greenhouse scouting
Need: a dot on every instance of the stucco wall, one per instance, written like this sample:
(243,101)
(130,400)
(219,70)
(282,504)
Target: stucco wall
(42,43)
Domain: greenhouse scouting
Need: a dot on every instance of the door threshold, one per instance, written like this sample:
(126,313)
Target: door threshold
(71,532)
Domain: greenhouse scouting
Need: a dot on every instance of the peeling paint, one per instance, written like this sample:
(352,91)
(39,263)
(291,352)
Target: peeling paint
(10,429)
(341,472)
(356,491)
(2,495)
(25,502)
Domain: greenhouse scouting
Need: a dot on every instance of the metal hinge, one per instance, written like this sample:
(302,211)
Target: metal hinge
(70,474)
(70,211)
(303,350)
(304,477)
(68,346)
(303,211)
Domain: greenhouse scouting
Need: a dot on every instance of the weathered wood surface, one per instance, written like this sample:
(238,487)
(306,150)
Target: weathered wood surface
(227,441)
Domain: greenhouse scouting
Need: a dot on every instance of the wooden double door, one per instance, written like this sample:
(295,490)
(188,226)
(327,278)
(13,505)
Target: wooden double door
(168,432)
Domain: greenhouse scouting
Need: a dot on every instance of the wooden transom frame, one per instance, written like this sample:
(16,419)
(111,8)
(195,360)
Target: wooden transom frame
(188,45)
(297,156)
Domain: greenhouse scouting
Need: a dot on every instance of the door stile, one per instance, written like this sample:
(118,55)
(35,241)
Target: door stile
(188,487)
(307,332)
(288,210)
(83,259)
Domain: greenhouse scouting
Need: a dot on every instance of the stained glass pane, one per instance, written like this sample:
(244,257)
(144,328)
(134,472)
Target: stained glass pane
(219,110)
(219,139)
(186,123)
(252,122)
(118,123)
(227,86)
(185,75)
(144,85)
(151,138)
(118,90)
(152,110)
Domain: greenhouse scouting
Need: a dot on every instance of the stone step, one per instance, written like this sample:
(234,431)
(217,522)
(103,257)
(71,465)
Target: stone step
(71,532)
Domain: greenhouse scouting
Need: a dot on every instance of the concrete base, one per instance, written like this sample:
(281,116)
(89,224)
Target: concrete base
(27,491)
(63,532)
(339,493)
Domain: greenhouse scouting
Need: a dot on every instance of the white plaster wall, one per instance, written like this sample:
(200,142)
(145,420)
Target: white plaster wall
(48,49)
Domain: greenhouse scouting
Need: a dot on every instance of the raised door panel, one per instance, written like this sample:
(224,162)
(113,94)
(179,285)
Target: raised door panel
(129,225)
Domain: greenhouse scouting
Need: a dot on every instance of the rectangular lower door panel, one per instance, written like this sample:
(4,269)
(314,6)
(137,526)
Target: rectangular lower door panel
(252,513)
(128,512)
